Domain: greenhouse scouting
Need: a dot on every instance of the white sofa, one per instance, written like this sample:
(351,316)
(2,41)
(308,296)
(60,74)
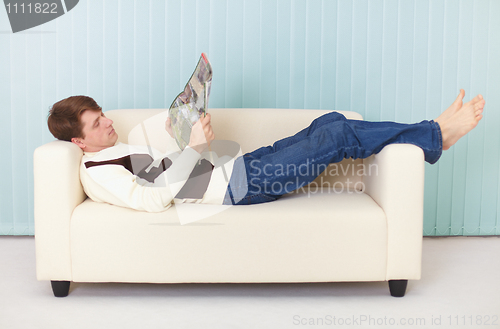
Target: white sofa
(327,234)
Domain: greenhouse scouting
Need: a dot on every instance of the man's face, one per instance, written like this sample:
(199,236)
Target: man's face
(98,131)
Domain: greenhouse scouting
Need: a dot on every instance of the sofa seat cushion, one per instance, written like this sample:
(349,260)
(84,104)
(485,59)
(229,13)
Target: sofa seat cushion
(302,237)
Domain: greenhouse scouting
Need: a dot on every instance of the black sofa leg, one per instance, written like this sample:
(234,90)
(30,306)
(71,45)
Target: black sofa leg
(60,288)
(397,287)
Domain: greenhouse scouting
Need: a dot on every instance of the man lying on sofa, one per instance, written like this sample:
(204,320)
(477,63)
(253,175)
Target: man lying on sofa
(129,176)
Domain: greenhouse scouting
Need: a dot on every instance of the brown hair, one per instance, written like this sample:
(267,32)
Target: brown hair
(64,117)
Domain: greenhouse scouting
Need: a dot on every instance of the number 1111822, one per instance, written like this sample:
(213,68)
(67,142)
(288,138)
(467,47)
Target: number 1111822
(30,8)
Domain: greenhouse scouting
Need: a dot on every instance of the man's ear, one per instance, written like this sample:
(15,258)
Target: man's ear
(78,142)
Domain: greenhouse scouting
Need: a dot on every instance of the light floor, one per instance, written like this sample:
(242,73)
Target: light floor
(460,288)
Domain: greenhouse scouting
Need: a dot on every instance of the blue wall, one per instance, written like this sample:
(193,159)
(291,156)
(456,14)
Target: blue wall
(388,60)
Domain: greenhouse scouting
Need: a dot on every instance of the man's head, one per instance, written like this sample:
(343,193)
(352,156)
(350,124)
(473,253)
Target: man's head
(80,120)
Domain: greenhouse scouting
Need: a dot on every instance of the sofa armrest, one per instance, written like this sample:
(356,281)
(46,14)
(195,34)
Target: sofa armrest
(395,180)
(57,192)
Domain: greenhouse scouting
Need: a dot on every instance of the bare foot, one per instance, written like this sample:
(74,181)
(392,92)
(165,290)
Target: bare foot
(454,107)
(456,123)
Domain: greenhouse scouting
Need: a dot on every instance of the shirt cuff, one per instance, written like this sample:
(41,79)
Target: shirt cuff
(190,153)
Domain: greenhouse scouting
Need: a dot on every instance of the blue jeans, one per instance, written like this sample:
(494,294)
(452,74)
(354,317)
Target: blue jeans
(269,172)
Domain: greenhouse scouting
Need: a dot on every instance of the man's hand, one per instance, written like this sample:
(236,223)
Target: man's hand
(201,134)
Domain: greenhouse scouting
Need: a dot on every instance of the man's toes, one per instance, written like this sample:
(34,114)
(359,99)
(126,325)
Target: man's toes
(479,105)
(460,97)
(476,99)
(472,102)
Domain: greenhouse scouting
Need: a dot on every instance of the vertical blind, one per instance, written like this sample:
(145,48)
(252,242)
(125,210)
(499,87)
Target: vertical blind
(388,60)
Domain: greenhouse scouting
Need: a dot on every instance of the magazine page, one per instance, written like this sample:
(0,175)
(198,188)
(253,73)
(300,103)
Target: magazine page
(191,103)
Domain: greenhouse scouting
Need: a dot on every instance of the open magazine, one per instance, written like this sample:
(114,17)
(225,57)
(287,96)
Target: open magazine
(191,104)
